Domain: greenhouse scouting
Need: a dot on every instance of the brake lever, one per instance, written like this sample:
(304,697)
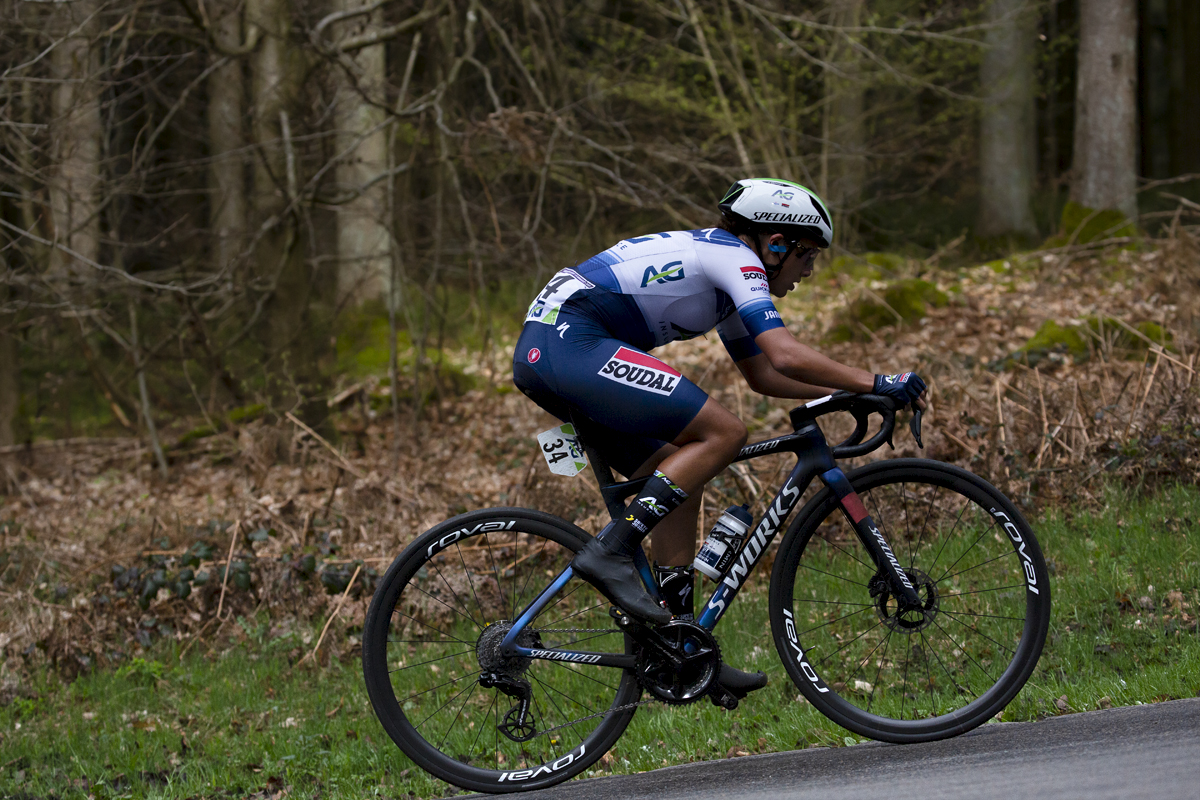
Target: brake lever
(914,425)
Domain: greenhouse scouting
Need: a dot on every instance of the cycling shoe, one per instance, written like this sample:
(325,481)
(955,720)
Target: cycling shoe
(738,683)
(618,579)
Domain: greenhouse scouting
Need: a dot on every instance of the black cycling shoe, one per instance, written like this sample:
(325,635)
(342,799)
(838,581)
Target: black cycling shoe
(738,683)
(618,579)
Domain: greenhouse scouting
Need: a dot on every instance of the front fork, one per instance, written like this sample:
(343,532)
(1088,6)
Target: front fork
(873,540)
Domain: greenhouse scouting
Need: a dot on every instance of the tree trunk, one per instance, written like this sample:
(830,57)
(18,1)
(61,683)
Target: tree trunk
(364,258)
(226,140)
(1008,131)
(279,261)
(10,377)
(74,185)
(845,150)
(1104,172)
(1184,43)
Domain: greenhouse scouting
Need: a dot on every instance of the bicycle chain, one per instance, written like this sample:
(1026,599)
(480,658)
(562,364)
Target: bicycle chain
(616,710)
(625,707)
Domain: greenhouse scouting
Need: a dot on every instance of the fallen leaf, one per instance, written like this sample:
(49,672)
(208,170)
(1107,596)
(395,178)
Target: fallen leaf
(1061,704)
(1105,702)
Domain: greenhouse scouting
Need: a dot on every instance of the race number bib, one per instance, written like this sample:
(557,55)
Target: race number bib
(564,454)
(546,305)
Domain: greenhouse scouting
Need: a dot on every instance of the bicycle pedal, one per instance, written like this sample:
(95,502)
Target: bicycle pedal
(722,698)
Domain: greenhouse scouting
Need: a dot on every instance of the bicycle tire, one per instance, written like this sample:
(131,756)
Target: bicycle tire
(423,641)
(965,545)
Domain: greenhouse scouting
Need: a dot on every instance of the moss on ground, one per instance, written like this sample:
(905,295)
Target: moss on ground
(1056,341)
(906,300)
(1089,225)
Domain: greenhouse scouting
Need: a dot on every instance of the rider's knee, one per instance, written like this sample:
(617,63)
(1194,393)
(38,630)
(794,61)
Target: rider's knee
(733,437)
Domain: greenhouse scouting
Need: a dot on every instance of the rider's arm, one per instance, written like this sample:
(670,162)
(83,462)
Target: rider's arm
(765,379)
(797,368)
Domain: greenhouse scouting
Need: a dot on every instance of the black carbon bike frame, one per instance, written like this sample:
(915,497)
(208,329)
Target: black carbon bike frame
(814,458)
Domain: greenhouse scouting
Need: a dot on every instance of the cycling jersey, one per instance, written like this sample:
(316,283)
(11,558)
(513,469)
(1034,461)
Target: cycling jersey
(655,289)
(586,334)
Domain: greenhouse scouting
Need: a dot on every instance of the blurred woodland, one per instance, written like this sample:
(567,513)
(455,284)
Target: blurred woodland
(264,261)
(213,210)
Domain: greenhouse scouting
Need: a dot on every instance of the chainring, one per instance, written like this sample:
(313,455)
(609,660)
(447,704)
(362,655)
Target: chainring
(681,666)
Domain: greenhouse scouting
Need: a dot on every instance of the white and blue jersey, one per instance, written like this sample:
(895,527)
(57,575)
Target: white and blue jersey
(587,333)
(655,289)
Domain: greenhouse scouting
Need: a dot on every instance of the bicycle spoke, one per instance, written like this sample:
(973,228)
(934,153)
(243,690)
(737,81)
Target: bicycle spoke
(525,586)
(564,665)
(977,566)
(483,725)
(1003,647)
(495,571)
(832,602)
(470,583)
(946,538)
(833,621)
(963,649)
(964,555)
(440,685)
(576,614)
(887,641)
(443,705)
(432,627)
(430,661)
(450,727)
(452,608)
(982,591)
(852,641)
(831,575)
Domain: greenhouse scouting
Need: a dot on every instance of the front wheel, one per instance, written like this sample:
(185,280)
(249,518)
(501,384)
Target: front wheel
(975,563)
(438,682)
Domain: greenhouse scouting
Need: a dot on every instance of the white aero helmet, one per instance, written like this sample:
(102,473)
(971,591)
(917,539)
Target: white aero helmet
(777,206)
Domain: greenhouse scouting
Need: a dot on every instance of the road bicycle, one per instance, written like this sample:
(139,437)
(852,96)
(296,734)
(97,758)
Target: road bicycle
(909,601)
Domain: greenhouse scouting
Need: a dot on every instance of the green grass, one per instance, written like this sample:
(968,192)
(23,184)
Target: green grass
(244,722)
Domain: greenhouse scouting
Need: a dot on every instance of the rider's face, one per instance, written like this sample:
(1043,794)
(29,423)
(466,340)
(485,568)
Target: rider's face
(799,265)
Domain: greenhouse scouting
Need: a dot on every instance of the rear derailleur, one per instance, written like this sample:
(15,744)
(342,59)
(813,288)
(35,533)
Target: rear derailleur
(518,723)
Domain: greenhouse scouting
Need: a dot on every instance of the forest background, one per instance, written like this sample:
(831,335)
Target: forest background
(264,262)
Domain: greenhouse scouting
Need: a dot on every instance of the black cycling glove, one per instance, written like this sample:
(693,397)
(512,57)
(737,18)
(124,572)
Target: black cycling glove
(905,387)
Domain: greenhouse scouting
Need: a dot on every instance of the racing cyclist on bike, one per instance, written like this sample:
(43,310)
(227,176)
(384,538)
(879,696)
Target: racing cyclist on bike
(584,347)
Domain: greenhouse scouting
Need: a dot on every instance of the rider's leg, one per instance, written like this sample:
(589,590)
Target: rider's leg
(674,544)
(705,447)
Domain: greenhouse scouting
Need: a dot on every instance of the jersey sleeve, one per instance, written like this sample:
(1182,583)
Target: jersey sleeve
(740,274)
(737,340)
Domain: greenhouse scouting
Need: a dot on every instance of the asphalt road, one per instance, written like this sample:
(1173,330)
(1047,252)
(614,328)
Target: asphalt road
(1148,752)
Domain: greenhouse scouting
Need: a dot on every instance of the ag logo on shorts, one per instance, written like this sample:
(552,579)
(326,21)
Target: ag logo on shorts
(640,371)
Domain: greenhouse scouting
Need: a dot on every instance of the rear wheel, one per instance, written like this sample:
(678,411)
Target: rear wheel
(432,665)
(975,563)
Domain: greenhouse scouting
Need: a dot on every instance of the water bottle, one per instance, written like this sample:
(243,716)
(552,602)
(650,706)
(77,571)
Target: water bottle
(722,544)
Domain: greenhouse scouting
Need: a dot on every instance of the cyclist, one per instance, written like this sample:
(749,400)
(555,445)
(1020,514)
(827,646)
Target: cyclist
(585,343)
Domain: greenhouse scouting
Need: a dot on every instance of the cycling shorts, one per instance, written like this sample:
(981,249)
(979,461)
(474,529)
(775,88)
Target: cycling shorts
(634,402)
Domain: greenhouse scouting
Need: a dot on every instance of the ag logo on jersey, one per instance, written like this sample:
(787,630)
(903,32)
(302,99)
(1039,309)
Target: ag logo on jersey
(640,371)
(670,272)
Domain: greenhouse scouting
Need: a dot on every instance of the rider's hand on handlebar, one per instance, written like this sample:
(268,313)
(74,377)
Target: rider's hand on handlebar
(907,387)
